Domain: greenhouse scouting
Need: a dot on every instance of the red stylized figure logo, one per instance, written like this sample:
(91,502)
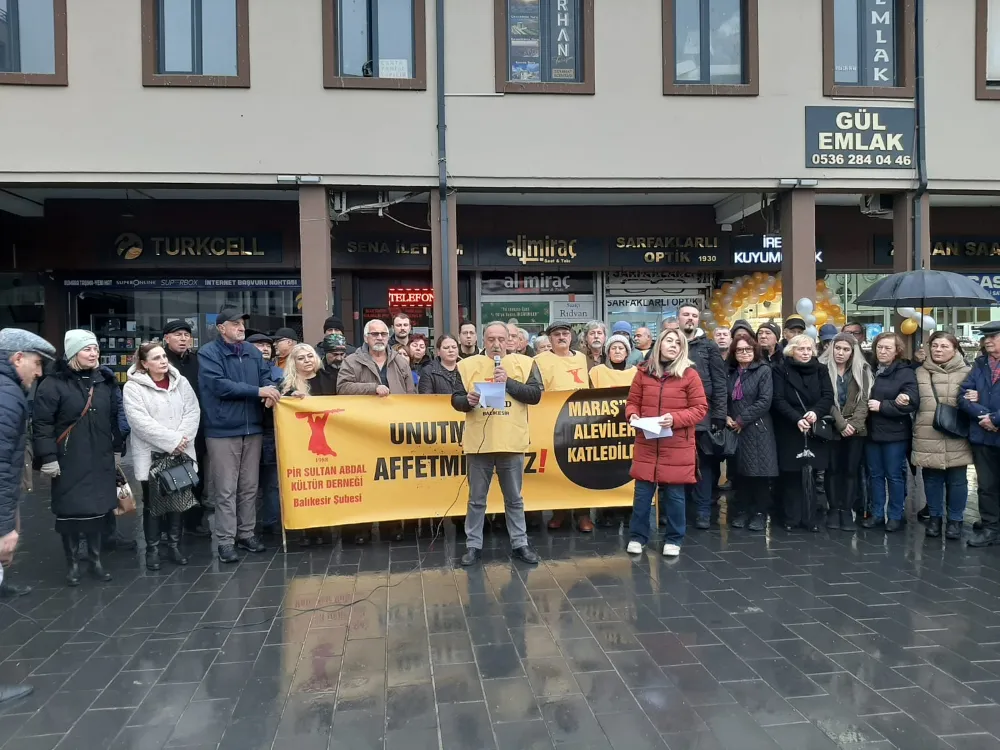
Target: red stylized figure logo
(318,444)
(576,375)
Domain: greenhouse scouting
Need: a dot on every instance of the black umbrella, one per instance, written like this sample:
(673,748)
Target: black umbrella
(925,289)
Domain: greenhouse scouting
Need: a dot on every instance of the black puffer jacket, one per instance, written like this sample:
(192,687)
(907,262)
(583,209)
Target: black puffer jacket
(800,388)
(707,358)
(86,486)
(436,379)
(755,452)
(13,429)
(892,423)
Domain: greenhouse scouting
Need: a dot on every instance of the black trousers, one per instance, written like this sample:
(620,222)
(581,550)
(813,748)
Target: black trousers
(753,494)
(987,461)
(845,468)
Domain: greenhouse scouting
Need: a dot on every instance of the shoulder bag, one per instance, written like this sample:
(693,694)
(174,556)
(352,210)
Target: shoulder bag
(823,428)
(948,419)
(64,435)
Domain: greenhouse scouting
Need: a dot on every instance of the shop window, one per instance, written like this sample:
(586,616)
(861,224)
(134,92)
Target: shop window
(544,46)
(196,43)
(33,42)
(988,49)
(868,48)
(374,44)
(710,47)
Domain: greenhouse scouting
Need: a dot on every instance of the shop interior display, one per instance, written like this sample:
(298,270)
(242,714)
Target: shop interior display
(756,298)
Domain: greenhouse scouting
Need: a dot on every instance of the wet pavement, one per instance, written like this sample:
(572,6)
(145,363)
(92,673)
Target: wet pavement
(793,641)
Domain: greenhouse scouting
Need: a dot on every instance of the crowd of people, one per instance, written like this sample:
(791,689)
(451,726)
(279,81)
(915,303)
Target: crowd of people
(826,428)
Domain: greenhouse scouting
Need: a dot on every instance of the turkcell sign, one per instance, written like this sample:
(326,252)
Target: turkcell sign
(768,254)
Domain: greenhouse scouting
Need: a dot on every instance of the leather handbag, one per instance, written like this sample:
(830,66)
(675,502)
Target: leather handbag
(821,429)
(949,419)
(730,441)
(126,500)
(177,478)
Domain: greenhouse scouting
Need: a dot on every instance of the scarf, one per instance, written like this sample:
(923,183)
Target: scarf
(994,369)
(738,388)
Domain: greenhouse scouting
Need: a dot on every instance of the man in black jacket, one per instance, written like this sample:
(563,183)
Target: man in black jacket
(712,369)
(21,355)
(333,325)
(181,354)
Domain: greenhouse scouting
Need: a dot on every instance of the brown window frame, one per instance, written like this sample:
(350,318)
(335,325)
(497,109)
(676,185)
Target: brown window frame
(984,91)
(503,86)
(906,44)
(61,75)
(751,58)
(331,76)
(149,54)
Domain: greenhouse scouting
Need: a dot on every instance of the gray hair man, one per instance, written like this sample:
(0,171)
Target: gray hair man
(643,343)
(21,358)
(595,335)
(496,438)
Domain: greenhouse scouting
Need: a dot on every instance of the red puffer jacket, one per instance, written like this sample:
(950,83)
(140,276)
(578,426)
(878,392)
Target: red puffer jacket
(671,460)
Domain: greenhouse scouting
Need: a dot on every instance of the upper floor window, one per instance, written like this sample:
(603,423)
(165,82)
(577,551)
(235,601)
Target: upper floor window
(988,49)
(196,43)
(374,44)
(868,48)
(33,42)
(710,47)
(545,46)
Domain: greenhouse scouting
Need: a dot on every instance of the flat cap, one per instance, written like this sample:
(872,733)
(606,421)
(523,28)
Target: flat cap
(18,340)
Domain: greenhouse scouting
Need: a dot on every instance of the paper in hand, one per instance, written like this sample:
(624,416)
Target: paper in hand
(651,428)
(491,395)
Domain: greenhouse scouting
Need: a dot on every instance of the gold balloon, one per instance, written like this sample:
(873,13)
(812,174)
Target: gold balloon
(821,316)
(908,327)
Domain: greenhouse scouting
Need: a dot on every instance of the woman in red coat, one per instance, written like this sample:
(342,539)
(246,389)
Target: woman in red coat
(668,387)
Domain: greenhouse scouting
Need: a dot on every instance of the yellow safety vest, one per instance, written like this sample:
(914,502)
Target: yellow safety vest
(603,376)
(495,430)
(563,373)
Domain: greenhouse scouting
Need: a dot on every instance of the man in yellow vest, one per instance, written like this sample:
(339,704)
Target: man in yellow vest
(495,439)
(563,369)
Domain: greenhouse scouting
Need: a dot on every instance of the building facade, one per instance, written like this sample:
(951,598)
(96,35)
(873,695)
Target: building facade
(482,159)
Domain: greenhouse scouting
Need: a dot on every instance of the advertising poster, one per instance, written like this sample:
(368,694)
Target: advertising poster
(361,459)
(525,35)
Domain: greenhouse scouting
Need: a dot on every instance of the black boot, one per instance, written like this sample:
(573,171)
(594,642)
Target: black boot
(96,569)
(151,533)
(69,547)
(847,521)
(174,539)
(933,526)
(833,519)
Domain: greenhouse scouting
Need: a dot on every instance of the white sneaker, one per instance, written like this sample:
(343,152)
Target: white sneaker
(634,548)
(671,550)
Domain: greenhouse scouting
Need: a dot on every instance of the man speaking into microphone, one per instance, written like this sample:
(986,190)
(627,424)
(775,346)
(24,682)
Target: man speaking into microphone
(496,438)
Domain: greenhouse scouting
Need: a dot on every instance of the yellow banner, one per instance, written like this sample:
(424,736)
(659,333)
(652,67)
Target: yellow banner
(359,459)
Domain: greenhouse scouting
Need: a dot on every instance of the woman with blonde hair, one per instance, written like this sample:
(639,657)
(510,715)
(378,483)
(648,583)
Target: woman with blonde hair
(667,386)
(802,396)
(851,378)
(163,411)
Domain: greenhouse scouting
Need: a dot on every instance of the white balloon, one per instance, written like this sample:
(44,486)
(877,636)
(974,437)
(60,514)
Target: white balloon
(812,333)
(928,323)
(810,320)
(708,316)
(907,312)
(804,306)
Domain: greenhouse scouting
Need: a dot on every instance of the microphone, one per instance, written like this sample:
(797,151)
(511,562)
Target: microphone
(496,360)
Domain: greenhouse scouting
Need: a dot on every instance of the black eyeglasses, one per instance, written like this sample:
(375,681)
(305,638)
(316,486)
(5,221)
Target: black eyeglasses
(744,350)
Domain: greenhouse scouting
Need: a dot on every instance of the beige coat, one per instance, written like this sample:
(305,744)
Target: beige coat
(359,375)
(933,449)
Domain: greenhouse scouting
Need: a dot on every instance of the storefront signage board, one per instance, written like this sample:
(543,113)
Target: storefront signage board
(542,282)
(948,252)
(860,137)
(388,252)
(411,297)
(573,312)
(989,282)
(525,313)
(184,284)
(762,251)
(194,250)
(532,251)
(680,252)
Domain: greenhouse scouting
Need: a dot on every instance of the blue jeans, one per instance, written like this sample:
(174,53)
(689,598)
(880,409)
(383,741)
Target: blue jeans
(270,507)
(935,483)
(887,465)
(671,507)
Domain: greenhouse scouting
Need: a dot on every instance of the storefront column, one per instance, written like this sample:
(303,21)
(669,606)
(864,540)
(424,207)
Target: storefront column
(316,260)
(902,233)
(440,245)
(798,248)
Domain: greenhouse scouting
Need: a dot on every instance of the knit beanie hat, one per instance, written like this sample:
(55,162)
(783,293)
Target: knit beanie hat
(334,342)
(76,340)
(333,322)
(618,339)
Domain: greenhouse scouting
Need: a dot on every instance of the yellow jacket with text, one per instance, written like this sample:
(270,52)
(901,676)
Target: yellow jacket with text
(563,373)
(603,376)
(490,430)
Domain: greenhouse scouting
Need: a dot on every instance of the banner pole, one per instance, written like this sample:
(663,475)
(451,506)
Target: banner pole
(281,509)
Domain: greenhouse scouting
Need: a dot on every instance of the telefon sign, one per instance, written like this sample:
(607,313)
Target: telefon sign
(416,297)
